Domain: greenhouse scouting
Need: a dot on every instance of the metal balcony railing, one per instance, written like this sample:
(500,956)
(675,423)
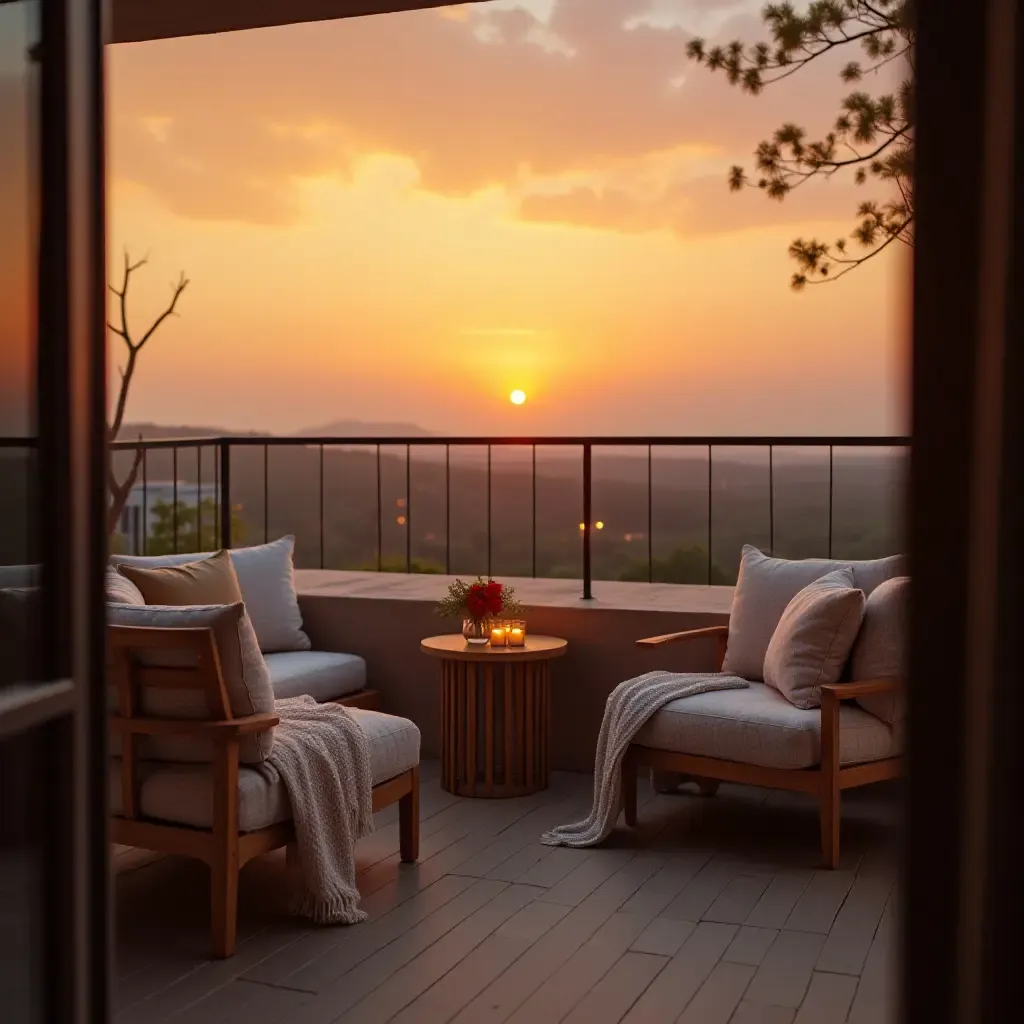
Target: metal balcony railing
(215,458)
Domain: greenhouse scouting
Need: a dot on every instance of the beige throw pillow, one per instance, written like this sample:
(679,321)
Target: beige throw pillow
(814,637)
(245,673)
(881,648)
(765,587)
(120,590)
(209,581)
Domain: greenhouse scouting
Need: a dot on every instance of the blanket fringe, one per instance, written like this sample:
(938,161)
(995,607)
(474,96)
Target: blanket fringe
(337,909)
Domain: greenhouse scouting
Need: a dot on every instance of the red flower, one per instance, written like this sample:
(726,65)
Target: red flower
(484,599)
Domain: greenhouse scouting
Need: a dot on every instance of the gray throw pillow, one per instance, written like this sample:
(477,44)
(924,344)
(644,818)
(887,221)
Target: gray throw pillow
(881,648)
(814,638)
(764,589)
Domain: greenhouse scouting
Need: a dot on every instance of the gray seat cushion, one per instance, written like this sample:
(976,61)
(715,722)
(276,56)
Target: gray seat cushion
(759,726)
(183,793)
(323,675)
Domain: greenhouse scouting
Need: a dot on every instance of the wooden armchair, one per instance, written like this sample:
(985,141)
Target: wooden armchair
(824,780)
(222,844)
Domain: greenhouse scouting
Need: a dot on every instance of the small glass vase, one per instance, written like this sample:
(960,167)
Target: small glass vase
(477,632)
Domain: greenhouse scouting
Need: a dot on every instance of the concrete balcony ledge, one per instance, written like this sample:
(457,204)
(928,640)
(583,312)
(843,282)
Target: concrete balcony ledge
(533,593)
(382,617)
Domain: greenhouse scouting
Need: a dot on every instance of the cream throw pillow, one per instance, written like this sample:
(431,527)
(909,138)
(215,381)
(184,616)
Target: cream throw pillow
(209,581)
(765,587)
(881,648)
(814,637)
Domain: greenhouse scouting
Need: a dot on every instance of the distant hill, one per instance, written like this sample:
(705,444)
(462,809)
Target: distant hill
(339,428)
(359,428)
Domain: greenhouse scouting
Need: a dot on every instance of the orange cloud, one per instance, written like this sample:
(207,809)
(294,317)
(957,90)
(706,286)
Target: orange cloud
(485,97)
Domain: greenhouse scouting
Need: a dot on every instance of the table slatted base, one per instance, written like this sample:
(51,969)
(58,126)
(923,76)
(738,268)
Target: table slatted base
(494,727)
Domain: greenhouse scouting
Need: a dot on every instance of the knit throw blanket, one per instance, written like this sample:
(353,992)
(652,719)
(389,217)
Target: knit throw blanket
(323,758)
(627,709)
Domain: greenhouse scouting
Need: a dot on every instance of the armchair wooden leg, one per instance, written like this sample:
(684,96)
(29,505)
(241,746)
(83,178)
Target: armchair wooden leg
(829,792)
(224,858)
(223,906)
(409,820)
(629,772)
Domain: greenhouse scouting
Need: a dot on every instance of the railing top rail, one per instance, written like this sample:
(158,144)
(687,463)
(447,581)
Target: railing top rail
(595,441)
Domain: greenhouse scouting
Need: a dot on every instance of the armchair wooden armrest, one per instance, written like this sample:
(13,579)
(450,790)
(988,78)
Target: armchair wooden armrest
(719,633)
(192,727)
(867,688)
(687,634)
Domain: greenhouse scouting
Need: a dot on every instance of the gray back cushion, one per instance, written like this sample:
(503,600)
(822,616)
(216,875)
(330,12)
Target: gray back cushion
(764,589)
(245,673)
(266,576)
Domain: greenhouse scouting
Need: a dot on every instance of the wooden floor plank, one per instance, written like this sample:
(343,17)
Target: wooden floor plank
(817,907)
(716,1000)
(853,930)
(701,892)
(750,945)
(300,964)
(462,984)
(736,901)
(570,984)
(786,969)
(502,997)
(611,998)
(668,995)
(342,983)
(663,936)
(403,985)
(586,877)
(779,899)
(875,999)
(759,1013)
(828,999)
(550,870)
(519,863)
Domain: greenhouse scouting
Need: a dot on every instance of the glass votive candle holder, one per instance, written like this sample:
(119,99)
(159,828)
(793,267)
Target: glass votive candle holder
(517,633)
(499,635)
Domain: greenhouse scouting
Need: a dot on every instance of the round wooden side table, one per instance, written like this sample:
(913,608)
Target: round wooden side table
(495,712)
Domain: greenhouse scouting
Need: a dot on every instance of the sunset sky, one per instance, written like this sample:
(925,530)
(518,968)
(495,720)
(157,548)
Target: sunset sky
(405,217)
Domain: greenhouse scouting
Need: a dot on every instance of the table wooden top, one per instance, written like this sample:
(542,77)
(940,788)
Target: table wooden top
(453,647)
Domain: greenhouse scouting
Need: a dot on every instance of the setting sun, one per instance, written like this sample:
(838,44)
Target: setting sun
(517,397)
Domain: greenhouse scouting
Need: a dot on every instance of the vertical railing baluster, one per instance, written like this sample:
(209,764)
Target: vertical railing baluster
(216,496)
(266,493)
(174,496)
(710,534)
(199,497)
(771,499)
(321,506)
(226,539)
(650,515)
(533,500)
(408,509)
(831,451)
(588,512)
(447,510)
(380,514)
(145,500)
(488,510)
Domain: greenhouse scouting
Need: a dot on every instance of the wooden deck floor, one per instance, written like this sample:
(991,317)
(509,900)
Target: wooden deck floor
(712,912)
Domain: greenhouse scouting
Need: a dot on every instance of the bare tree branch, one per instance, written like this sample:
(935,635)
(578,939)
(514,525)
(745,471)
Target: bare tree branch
(120,491)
